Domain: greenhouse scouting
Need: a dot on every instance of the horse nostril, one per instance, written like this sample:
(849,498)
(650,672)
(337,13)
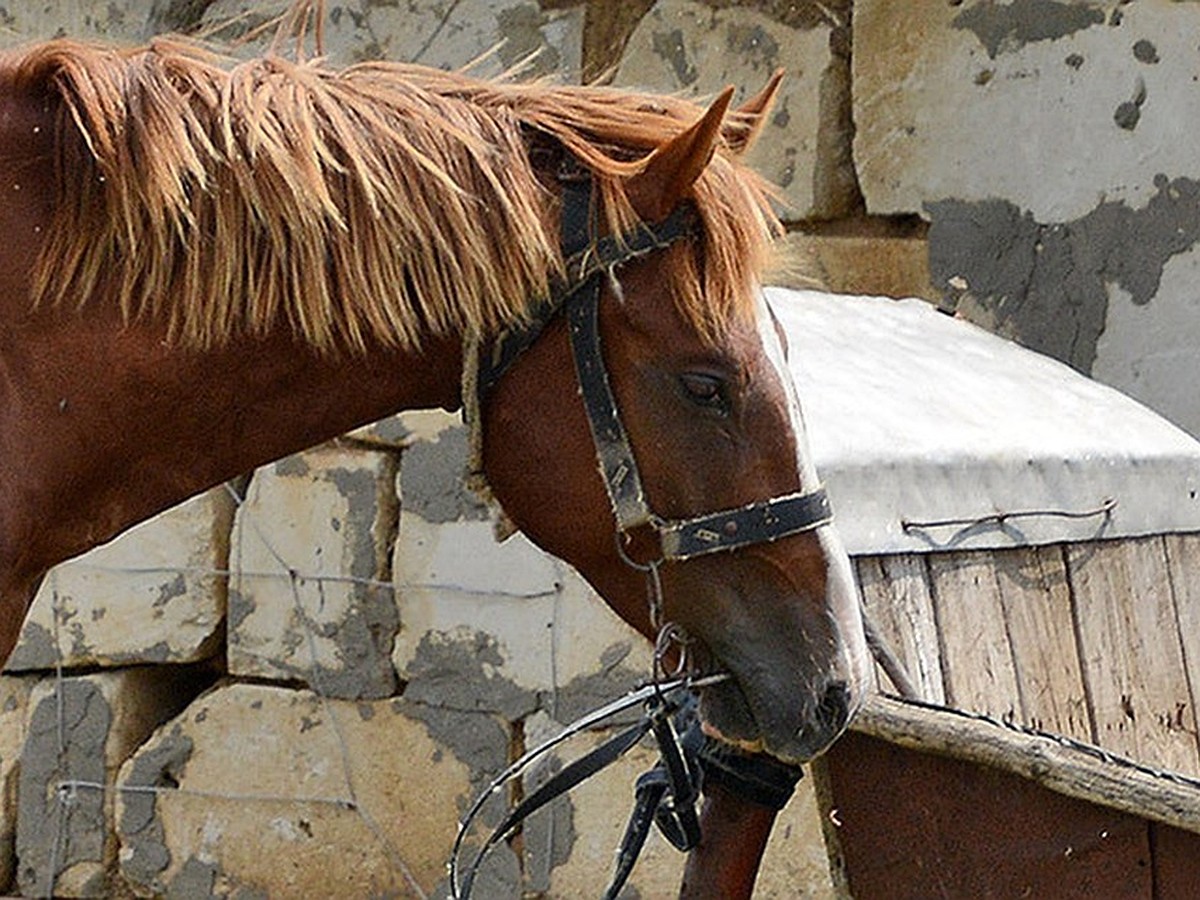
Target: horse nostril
(834,709)
(829,718)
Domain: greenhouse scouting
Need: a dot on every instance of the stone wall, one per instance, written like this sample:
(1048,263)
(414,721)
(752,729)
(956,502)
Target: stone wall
(343,657)
(293,685)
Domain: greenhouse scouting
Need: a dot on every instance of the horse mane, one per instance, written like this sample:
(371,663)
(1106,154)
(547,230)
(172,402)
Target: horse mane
(371,204)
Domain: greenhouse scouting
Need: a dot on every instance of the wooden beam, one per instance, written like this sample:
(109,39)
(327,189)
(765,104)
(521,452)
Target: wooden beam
(1060,764)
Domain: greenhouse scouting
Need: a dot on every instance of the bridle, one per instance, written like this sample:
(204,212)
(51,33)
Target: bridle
(666,794)
(588,258)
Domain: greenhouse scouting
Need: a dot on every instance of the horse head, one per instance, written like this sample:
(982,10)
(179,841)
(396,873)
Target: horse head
(308,251)
(714,423)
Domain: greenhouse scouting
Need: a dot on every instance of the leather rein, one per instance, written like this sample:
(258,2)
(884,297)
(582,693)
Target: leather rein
(666,795)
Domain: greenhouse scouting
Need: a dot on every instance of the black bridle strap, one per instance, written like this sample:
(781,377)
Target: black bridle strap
(614,453)
(667,795)
(755,523)
(584,260)
(558,785)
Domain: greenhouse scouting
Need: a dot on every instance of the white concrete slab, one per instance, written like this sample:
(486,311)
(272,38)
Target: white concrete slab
(915,417)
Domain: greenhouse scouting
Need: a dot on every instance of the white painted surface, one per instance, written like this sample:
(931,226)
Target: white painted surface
(914,416)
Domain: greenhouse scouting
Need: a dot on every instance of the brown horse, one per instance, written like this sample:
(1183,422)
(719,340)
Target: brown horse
(210,265)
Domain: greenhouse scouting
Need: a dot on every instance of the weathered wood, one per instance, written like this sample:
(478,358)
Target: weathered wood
(977,661)
(1130,648)
(1070,769)
(896,594)
(1036,601)
(1183,565)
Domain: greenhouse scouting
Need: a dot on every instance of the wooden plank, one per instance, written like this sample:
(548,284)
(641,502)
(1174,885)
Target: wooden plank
(1131,652)
(977,662)
(1183,565)
(896,594)
(1059,765)
(924,825)
(1036,599)
(1176,860)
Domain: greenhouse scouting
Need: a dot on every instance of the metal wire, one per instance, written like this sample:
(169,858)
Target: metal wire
(66,791)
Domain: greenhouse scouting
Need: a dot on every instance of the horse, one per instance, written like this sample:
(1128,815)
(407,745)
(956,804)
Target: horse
(211,264)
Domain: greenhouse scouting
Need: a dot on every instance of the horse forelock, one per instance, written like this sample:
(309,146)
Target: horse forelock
(373,204)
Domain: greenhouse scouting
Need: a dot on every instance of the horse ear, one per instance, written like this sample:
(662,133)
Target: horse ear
(746,122)
(672,169)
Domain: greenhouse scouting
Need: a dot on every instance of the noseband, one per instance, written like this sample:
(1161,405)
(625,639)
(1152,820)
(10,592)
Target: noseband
(588,258)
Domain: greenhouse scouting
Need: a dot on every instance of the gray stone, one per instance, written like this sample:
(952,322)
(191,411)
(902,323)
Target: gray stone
(1043,142)
(433,479)
(1047,284)
(549,635)
(122,21)
(310,592)
(14,712)
(1149,350)
(694,48)
(446,36)
(79,732)
(1031,102)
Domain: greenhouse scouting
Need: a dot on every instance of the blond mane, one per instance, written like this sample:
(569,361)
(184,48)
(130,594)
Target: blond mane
(372,204)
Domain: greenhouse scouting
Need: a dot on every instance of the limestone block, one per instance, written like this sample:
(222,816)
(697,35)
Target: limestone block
(597,656)
(1050,106)
(570,846)
(863,265)
(454,580)
(566,653)
(493,625)
(14,711)
(258,791)
(155,594)
(310,593)
(78,733)
(697,49)
(432,34)
(1047,145)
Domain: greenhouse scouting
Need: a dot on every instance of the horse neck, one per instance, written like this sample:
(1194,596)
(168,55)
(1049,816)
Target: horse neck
(102,425)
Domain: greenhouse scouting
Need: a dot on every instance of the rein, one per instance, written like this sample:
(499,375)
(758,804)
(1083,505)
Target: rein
(667,794)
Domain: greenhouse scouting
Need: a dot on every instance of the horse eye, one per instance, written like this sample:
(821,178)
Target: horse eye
(705,390)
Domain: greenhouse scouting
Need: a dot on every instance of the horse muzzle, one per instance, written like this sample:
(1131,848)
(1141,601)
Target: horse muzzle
(794,729)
